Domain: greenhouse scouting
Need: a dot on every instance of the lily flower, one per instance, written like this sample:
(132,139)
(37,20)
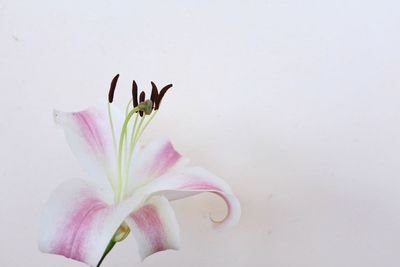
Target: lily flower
(129,187)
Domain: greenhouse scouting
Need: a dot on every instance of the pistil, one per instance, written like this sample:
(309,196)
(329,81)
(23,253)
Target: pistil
(119,159)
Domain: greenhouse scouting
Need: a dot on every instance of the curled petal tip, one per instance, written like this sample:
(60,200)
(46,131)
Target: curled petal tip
(233,215)
(215,220)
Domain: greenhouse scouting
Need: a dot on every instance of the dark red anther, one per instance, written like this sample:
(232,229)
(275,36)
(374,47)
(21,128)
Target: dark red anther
(134,94)
(112,88)
(161,95)
(142,96)
(154,94)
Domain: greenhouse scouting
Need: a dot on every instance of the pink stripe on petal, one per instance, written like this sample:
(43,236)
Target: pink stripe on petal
(152,161)
(164,160)
(72,236)
(90,138)
(154,227)
(147,220)
(89,130)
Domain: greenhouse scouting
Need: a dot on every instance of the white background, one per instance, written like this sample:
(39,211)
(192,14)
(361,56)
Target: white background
(294,103)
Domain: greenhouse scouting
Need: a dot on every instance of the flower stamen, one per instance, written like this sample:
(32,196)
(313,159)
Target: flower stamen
(142,108)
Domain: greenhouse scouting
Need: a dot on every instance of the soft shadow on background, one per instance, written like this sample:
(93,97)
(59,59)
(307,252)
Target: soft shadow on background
(294,103)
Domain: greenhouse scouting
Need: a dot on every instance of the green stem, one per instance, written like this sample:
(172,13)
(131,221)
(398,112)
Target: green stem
(108,249)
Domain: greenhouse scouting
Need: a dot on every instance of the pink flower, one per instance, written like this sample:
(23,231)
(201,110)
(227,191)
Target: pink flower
(128,187)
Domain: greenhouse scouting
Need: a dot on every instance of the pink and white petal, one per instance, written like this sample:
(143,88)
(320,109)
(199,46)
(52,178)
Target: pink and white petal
(152,161)
(79,224)
(154,227)
(89,135)
(194,180)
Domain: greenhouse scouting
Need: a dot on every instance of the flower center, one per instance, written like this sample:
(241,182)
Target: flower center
(124,147)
